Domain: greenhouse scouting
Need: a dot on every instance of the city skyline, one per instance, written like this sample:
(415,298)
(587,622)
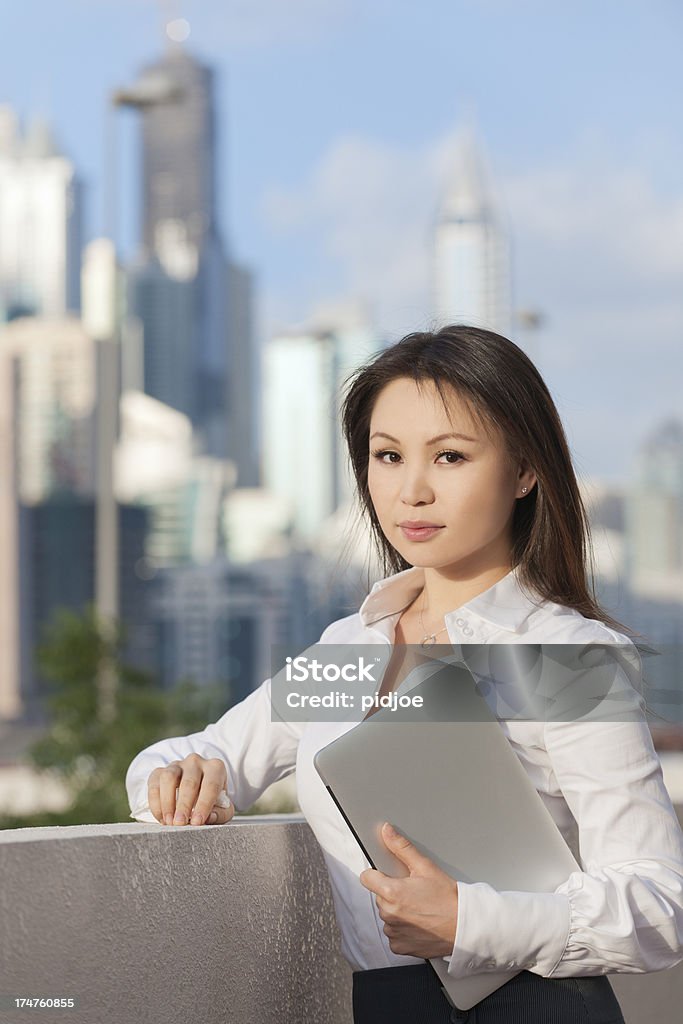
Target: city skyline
(331,173)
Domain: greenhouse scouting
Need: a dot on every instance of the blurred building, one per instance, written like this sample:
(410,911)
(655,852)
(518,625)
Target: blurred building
(471,255)
(53,363)
(165,307)
(637,530)
(192,303)
(300,451)
(354,344)
(304,461)
(57,571)
(216,624)
(605,506)
(10,655)
(40,214)
(257,524)
(156,468)
(654,516)
(49,369)
(244,378)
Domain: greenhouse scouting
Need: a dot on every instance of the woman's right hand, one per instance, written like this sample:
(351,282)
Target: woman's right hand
(198,782)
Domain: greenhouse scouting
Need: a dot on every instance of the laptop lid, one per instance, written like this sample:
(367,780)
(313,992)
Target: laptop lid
(447,777)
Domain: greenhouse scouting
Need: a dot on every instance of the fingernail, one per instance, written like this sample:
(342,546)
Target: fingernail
(389,829)
(179,819)
(196,819)
(168,819)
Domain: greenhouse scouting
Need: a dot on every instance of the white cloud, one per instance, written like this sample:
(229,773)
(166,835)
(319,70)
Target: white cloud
(597,249)
(586,234)
(371,205)
(592,217)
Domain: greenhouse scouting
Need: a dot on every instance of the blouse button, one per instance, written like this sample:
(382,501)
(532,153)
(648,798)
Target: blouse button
(467,631)
(460,622)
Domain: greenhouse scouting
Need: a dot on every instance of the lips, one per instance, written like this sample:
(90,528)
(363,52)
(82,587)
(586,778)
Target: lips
(419,533)
(419,524)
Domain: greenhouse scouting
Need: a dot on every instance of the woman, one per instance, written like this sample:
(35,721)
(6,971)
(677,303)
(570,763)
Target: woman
(463,471)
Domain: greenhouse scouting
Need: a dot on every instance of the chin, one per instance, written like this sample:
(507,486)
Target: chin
(429,563)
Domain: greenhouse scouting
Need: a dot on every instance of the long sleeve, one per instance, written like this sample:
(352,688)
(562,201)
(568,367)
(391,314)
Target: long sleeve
(256,752)
(627,906)
(624,911)
(257,746)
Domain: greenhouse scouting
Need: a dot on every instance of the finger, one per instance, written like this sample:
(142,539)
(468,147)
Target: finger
(384,909)
(169,780)
(153,798)
(220,815)
(214,781)
(156,795)
(374,880)
(190,785)
(404,849)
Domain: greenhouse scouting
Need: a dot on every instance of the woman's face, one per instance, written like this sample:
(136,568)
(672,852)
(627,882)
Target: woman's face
(466,486)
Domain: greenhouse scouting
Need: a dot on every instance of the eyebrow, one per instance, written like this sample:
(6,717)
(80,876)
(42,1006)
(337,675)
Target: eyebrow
(432,440)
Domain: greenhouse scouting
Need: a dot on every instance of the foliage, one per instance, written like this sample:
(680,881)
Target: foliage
(87,752)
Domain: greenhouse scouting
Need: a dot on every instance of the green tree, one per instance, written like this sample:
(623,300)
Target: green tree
(90,751)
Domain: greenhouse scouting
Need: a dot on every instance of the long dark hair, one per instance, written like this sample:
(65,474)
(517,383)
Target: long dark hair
(502,388)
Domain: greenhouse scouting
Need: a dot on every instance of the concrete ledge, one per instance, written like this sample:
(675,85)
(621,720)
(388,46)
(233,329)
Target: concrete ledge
(210,924)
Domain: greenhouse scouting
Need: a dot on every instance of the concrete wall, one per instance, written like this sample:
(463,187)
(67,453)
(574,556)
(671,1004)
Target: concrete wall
(211,925)
(139,922)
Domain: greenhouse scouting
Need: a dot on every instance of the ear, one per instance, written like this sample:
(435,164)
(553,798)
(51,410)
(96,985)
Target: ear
(525,478)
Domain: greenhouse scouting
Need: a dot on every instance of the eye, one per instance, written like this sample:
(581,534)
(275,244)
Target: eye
(380,456)
(458,456)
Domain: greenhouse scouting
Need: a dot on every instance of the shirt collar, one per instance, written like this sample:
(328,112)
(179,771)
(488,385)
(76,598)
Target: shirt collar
(505,604)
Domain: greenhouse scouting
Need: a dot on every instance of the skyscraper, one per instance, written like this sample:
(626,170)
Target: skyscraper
(53,396)
(654,515)
(182,283)
(305,462)
(179,210)
(471,270)
(49,374)
(156,467)
(300,428)
(40,213)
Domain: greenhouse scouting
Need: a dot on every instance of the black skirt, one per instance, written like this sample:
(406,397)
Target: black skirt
(413,995)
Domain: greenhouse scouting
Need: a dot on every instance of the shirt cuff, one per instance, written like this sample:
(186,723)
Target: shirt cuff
(139,804)
(513,931)
(145,815)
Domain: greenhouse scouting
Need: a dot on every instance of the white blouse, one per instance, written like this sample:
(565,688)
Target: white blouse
(600,780)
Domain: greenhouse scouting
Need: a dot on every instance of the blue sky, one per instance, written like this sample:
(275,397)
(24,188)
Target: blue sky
(337,120)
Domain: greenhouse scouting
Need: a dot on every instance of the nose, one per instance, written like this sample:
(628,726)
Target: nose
(415,488)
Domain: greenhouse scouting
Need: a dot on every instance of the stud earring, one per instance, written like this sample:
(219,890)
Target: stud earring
(524,490)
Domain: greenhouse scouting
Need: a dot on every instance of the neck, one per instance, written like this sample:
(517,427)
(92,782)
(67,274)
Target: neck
(443,593)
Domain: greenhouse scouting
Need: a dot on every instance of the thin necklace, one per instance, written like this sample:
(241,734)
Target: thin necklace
(429,639)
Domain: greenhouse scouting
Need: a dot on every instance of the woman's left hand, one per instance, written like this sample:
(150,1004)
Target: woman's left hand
(419,911)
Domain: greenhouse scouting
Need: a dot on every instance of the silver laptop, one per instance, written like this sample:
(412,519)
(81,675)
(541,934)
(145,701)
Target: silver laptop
(448,779)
